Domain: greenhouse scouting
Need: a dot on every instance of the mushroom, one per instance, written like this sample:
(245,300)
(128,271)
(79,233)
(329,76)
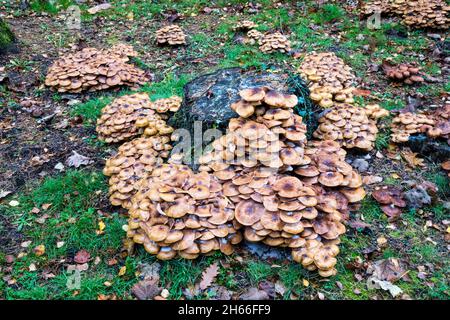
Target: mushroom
(171,35)
(92,69)
(248,212)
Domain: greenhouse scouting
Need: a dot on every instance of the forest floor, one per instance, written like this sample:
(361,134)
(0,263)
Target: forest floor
(50,212)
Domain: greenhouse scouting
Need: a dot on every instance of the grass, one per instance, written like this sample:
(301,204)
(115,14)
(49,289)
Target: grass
(79,197)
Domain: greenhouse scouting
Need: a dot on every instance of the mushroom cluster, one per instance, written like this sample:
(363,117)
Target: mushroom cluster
(281,209)
(414,13)
(406,124)
(257,173)
(404,72)
(262,177)
(267,132)
(253,36)
(170,35)
(92,69)
(349,126)
(375,112)
(134,160)
(274,42)
(131,115)
(391,199)
(442,118)
(427,14)
(329,78)
(179,213)
(245,25)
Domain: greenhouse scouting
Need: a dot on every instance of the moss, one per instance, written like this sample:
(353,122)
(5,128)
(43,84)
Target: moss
(6,36)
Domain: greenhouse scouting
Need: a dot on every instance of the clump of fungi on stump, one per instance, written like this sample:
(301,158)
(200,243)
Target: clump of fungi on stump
(286,192)
(92,69)
(171,35)
(131,115)
(262,181)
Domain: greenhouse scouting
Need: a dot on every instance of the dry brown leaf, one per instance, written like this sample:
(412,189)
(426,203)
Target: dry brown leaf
(82,257)
(412,159)
(146,289)
(209,276)
(254,294)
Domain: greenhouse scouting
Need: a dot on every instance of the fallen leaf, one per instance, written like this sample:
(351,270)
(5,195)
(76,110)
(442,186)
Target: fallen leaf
(82,256)
(25,244)
(98,8)
(387,269)
(374,283)
(112,262)
(254,294)
(14,203)
(76,160)
(122,271)
(280,288)
(209,276)
(146,289)
(39,250)
(101,227)
(4,193)
(412,159)
(45,206)
(305,283)
(32,267)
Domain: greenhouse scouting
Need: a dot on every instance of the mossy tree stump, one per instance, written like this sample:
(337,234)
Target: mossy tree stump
(6,36)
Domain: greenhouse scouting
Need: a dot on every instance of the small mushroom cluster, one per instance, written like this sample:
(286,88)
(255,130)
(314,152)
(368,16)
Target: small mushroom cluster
(253,36)
(245,25)
(403,72)
(329,78)
(135,160)
(92,69)
(348,125)
(267,132)
(391,199)
(442,118)
(274,42)
(171,35)
(406,124)
(179,213)
(375,112)
(414,13)
(132,115)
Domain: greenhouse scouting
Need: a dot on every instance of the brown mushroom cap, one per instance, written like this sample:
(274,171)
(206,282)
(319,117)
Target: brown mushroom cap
(331,178)
(248,212)
(158,232)
(271,221)
(253,94)
(288,186)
